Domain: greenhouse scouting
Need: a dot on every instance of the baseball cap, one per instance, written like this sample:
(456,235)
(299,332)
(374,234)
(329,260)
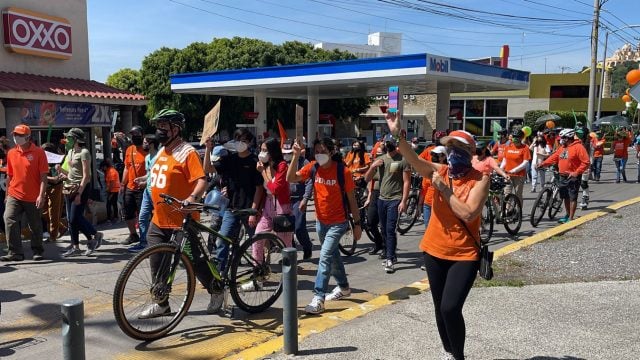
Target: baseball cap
(21,129)
(287,147)
(439,150)
(460,136)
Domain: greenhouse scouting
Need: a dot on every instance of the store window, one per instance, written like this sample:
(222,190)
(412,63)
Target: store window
(474,126)
(497,108)
(569,91)
(478,115)
(474,108)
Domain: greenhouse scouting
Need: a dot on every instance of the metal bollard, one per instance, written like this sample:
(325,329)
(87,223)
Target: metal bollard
(73,330)
(290,300)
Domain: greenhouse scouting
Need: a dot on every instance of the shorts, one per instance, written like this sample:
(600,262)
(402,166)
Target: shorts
(132,203)
(569,188)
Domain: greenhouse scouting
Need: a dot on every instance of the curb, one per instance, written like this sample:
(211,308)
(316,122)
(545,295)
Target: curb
(312,325)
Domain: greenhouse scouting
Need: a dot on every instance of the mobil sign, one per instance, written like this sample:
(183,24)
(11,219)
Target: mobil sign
(438,64)
(31,33)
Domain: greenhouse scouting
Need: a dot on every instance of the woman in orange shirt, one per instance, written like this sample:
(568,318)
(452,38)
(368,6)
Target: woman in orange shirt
(621,153)
(357,160)
(451,242)
(597,144)
(516,158)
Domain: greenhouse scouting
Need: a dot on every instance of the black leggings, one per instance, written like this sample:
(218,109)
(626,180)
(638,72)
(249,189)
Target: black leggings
(450,282)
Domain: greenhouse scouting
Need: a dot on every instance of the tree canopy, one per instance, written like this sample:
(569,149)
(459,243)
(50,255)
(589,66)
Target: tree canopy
(225,54)
(619,77)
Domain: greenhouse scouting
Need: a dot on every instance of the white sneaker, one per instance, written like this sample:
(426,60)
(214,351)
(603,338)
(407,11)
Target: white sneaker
(217,298)
(45,236)
(250,286)
(316,306)
(445,355)
(388,267)
(155,310)
(338,293)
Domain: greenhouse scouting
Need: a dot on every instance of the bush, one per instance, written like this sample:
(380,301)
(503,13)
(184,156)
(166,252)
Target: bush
(567,119)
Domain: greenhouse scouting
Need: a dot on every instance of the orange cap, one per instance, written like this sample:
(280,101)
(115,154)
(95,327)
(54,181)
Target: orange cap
(22,129)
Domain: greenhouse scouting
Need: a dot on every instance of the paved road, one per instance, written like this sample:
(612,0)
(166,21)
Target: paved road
(32,292)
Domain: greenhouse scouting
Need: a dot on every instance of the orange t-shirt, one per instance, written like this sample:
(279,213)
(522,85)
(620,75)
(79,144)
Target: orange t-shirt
(498,148)
(328,197)
(25,168)
(598,147)
(353,162)
(426,153)
(428,191)
(485,166)
(621,148)
(134,162)
(112,178)
(446,238)
(515,156)
(572,158)
(175,172)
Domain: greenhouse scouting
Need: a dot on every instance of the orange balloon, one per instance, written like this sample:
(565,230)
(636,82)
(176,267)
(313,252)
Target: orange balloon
(626,98)
(550,124)
(633,77)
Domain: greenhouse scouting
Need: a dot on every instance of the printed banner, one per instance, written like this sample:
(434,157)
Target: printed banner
(45,113)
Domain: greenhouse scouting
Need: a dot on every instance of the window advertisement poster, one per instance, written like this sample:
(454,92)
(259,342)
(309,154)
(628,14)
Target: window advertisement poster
(45,113)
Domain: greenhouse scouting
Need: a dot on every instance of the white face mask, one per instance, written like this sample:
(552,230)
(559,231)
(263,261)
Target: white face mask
(287,157)
(19,140)
(241,146)
(322,159)
(264,157)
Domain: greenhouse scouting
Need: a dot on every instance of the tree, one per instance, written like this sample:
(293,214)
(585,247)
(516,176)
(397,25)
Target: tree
(619,77)
(126,79)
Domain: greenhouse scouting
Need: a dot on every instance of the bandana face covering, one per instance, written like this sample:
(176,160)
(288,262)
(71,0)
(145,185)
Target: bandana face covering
(459,162)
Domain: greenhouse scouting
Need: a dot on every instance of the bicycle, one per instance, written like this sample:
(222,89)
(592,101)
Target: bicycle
(510,213)
(347,244)
(408,218)
(253,285)
(549,197)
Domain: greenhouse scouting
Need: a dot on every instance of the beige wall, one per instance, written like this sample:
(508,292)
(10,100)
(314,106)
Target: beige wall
(78,66)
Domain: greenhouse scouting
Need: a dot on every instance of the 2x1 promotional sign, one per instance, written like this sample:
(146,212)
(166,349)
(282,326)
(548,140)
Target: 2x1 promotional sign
(32,33)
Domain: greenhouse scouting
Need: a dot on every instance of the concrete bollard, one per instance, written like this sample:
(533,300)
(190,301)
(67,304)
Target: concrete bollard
(290,300)
(73,330)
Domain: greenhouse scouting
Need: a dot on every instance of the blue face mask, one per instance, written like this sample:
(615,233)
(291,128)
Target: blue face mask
(459,162)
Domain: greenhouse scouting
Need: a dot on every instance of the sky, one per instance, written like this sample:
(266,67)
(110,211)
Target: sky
(544,36)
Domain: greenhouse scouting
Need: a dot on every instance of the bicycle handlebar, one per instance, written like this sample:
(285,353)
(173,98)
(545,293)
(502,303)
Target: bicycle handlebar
(170,200)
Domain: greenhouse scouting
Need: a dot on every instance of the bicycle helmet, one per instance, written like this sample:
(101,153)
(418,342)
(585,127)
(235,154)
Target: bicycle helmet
(567,133)
(174,117)
(137,130)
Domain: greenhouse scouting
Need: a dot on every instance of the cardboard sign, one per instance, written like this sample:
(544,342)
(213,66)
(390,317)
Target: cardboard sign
(211,121)
(299,123)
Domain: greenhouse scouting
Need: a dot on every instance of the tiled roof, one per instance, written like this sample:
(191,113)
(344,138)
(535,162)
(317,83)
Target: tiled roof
(62,86)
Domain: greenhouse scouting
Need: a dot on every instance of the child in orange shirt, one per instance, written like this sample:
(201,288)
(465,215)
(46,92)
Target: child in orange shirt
(112,180)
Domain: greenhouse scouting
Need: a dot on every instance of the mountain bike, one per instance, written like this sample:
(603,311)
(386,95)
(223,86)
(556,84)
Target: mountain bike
(549,198)
(409,217)
(254,284)
(510,214)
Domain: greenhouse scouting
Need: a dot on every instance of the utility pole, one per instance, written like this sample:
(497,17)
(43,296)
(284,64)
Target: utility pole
(594,62)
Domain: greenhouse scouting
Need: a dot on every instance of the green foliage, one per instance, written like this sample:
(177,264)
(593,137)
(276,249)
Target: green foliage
(125,79)
(227,54)
(619,77)
(567,119)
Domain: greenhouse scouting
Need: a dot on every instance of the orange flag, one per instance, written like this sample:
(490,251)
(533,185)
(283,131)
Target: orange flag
(283,133)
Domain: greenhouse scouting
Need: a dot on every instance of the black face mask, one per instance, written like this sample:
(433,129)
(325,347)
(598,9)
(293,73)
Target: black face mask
(145,147)
(137,140)
(390,148)
(162,136)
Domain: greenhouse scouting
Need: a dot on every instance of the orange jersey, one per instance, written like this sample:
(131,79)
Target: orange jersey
(175,172)
(328,197)
(514,156)
(25,168)
(112,178)
(621,148)
(134,163)
(446,237)
(570,159)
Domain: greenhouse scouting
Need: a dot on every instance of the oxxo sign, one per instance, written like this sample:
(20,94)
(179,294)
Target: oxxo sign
(438,64)
(31,33)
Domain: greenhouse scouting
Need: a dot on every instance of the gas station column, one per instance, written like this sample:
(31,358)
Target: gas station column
(442,106)
(260,106)
(313,114)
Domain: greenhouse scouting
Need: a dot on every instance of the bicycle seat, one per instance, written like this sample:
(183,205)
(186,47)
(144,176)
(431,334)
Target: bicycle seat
(244,212)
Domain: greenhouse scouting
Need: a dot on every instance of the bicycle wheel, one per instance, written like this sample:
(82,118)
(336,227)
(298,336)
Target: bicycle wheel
(512,214)
(364,221)
(556,204)
(137,288)
(486,223)
(409,217)
(347,243)
(540,207)
(255,284)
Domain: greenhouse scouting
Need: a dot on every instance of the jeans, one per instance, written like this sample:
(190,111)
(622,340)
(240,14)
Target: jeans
(230,228)
(144,216)
(302,234)
(597,167)
(373,220)
(13,214)
(388,212)
(515,187)
(426,214)
(330,260)
(539,177)
(621,163)
(77,222)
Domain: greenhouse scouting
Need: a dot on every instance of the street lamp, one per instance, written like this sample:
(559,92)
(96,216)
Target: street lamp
(604,61)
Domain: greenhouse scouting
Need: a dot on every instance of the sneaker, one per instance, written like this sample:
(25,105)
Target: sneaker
(533,190)
(445,355)
(306,255)
(12,257)
(388,267)
(383,254)
(316,306)
(423,268)
(90,250)
(338,293)
(74,251)
(46,236)
(250,286)
(215,303)
(136,248)
(155,310)
(98,239)
(564,219)
(38,257)
(132,238)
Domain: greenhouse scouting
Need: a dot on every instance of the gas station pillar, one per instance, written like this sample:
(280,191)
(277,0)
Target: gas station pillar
(313,114)
(260,106)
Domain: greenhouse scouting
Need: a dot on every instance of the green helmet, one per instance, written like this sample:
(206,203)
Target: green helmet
(174,117)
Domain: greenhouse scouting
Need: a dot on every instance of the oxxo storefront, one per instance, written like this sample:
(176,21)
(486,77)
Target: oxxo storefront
(45,77)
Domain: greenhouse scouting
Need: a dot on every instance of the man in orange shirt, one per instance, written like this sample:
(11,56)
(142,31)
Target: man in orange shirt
(597,144)
(426,153)
(331,214)
(621,153)
(112,180)
(27,170)
(572,160)
(133,168)
(516,158)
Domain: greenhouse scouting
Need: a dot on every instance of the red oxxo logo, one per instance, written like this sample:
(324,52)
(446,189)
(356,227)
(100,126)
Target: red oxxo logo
(31,33)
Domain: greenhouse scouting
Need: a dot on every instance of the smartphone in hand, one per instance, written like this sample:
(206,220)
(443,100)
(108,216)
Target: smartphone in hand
(393,99)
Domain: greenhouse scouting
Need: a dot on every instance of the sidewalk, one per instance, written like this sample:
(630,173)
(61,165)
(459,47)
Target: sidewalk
(579,301)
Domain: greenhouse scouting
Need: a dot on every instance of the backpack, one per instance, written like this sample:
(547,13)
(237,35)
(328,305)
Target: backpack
(340,176)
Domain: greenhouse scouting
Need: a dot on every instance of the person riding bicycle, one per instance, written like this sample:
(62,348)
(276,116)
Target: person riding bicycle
(572,160)
(357,160)
(178,172)
(516,158)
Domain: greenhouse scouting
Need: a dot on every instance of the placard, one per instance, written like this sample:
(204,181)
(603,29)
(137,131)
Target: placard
(211,121)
